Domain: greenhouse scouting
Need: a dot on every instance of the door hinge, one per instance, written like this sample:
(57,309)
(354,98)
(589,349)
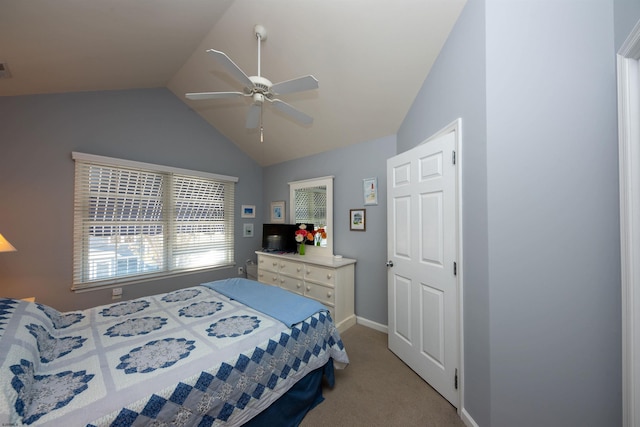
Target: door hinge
(455,268)
(453,157)
(455,379)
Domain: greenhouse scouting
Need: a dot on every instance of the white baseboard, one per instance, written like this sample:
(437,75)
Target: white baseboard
(371,324)
(466,419)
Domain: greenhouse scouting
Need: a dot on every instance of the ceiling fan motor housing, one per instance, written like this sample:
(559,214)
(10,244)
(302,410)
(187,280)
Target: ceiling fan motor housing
(261,86)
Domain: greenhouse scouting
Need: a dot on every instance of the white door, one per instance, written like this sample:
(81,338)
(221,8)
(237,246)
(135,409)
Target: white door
(422,250)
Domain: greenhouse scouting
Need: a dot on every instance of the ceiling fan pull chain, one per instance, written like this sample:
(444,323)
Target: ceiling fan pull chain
(261,128)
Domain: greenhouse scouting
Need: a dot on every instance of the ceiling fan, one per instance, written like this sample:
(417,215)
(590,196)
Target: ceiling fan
(259,88)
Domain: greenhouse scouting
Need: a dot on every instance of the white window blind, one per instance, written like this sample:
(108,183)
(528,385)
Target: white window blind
(136,220)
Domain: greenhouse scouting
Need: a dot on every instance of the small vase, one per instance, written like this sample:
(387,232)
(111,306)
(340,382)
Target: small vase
(301,250)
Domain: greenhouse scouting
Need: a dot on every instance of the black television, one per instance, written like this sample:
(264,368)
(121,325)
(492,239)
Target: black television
(281,237)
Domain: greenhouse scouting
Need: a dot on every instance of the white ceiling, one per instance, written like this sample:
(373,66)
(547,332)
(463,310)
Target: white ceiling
(370,57)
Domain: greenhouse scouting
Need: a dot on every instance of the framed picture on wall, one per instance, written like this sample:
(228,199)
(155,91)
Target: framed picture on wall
(370,187)
(277,212)
(248,211)
(357,221)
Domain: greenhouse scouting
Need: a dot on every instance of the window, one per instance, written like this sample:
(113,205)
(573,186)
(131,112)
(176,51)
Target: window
(135,221)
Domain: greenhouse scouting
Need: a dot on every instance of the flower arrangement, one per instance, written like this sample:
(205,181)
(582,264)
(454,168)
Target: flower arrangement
(319,234)
(303,234)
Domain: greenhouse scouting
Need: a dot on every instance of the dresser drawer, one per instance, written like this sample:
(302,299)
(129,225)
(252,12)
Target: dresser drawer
(292,284)
(324,294)
(291,268)
(268,263)
(268,277)
(322,275)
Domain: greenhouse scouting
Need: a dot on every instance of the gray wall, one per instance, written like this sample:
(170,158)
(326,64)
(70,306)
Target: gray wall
(553,214)
(38,134)
(455,89)
(626,13)
(350,166)
(542,316)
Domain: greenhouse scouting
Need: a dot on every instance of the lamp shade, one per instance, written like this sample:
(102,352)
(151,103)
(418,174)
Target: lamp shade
(5,246)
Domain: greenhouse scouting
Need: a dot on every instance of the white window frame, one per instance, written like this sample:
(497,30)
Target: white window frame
(169,177)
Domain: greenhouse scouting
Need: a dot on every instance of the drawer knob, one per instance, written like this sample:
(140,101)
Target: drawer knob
(328,275)
(329,294)
(308,288)
(299,285)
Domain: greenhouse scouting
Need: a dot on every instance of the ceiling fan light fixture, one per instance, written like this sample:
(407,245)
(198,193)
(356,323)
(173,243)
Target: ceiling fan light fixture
(258,98)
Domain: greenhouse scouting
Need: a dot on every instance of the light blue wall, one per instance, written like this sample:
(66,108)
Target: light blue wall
(626,14)
(350,166)
(455,89)
(542,315)
(554,261)
(38,134)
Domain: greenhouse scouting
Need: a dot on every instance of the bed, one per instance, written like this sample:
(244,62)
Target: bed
(229,352)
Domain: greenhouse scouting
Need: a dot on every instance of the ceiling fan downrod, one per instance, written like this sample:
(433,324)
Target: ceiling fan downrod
(261,35)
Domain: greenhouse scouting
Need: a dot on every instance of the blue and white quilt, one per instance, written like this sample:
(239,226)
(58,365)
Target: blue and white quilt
(189,357)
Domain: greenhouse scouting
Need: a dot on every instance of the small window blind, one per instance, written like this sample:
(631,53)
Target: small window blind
(136,220)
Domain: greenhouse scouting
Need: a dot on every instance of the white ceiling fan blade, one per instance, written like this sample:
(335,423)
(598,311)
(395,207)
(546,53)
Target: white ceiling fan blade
(294,113)
(212,95)
(231,67)
(295,85)
(253,116)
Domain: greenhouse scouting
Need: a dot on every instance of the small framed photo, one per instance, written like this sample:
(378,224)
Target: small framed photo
(248,211)
(277,212)
(357,221)
(247,230)
(370,187)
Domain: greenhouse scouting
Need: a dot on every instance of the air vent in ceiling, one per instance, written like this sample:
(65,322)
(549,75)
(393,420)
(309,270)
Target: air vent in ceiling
(4,71)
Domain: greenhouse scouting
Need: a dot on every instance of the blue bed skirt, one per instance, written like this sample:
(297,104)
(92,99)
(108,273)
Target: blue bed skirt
(291,408)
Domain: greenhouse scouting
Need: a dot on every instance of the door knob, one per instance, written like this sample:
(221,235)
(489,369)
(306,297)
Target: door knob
(389,263)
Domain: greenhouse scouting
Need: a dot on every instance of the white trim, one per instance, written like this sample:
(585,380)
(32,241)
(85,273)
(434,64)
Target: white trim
(159,277)
(467,420)
(628,68)
(311,181)
(112,161)
(327,181)
(371,324)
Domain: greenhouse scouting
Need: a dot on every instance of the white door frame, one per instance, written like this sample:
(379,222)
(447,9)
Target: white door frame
(628,64)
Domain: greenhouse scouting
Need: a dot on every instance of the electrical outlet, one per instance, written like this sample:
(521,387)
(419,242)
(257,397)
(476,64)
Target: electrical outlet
(240,271)
(116,293)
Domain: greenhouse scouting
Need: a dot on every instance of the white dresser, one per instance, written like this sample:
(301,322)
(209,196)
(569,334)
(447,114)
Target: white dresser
(328,280)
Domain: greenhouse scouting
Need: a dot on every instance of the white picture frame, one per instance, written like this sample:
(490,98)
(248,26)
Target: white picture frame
(277,212)
(370,188)
(248,211)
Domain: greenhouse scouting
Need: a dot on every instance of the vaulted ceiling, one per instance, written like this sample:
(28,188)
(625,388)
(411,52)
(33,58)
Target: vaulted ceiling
(369,56)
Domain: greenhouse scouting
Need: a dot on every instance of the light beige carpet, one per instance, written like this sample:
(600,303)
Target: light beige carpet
(377,389)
